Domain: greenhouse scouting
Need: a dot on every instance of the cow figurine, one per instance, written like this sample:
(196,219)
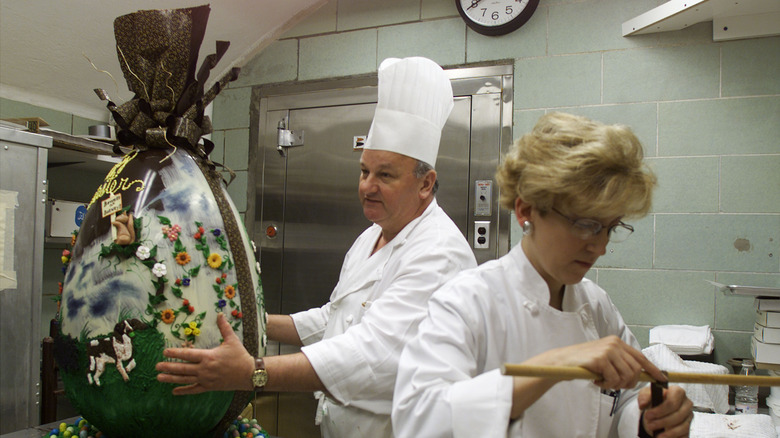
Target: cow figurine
(116,349)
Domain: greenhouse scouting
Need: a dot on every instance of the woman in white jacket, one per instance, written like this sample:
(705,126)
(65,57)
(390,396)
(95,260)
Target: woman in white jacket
(570,182)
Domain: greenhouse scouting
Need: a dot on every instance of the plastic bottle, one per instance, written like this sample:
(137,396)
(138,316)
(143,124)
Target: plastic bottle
(746,397)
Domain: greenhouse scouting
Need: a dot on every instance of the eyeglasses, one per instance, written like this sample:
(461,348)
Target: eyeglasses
(588,228)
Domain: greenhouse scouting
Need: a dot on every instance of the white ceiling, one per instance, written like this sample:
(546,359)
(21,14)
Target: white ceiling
(43,45)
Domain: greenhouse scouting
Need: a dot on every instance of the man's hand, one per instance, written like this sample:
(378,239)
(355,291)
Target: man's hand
(228,367)
(674,415)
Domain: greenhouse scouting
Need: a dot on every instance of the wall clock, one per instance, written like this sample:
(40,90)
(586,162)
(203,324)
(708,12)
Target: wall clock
(496,17)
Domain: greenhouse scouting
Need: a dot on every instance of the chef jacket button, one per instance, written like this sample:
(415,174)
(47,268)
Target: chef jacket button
(349,319)
(324,409)
(532,307)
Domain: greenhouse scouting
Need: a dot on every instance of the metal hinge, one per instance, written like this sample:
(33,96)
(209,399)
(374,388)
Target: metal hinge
(286,138)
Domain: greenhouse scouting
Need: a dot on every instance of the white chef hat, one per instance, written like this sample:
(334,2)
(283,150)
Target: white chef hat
(415,99)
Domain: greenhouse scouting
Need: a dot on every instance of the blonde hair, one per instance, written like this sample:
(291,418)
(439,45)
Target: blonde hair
(578,166)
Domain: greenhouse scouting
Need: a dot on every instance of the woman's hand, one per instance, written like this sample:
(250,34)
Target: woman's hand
(674,415)
(618,363)
(228,367)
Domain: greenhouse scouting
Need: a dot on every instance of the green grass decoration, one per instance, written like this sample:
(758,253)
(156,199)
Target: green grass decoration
(142,404)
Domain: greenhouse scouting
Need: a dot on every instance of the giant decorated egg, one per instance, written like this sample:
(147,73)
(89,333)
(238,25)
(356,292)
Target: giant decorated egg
(156,258)
(161,250)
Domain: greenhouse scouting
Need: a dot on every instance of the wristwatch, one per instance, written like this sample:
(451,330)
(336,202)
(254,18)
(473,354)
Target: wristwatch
(260,376)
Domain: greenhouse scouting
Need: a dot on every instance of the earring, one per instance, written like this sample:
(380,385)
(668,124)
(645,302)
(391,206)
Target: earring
(528,228)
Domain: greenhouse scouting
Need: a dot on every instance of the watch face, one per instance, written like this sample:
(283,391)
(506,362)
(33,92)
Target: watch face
(259,378)
(496,17)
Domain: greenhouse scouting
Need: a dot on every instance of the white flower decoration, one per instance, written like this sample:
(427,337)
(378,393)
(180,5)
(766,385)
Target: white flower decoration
(159,269)
(257,266)
(143,252)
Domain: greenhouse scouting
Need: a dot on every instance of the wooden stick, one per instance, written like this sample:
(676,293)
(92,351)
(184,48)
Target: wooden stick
(570,373)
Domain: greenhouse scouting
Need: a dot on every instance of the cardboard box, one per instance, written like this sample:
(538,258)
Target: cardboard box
(768,319)
(767,304)
(767,335)
(764,353)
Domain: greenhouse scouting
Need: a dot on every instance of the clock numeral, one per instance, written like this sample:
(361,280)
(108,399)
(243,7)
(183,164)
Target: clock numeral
(494,15)
(509,10)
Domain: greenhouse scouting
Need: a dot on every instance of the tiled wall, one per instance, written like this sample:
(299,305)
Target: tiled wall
(708,114)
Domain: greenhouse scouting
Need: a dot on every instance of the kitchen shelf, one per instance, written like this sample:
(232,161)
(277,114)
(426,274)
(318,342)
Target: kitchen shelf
(731,19)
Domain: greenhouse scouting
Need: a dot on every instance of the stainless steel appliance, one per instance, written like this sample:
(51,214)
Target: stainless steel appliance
(306,213)
(23,194)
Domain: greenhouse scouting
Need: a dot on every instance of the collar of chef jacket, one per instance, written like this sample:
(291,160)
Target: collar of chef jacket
(370,269)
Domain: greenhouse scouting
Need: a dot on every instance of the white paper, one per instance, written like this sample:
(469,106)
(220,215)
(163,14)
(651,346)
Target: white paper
(8,204)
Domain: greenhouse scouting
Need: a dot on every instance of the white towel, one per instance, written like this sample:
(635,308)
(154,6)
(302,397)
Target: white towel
(727,426)
(684,339)
(714,397)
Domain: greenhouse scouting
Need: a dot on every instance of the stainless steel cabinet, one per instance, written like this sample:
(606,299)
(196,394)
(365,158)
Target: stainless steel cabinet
(23,196)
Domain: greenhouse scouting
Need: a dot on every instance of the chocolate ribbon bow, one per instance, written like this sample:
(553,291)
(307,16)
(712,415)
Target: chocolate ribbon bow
(158,52)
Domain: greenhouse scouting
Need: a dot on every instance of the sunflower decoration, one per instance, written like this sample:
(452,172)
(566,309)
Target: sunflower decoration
(215,260)
(183,258)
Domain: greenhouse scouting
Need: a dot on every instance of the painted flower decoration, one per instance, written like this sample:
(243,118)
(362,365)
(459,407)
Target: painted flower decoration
(159,270)
(192,329)
(221,303)
(183,258)
(216,232)
(199,233)
(73,239)
(185,281)
(236,314)
(230,292)
(215,260)
(168,316)
(143,252)
(172,232)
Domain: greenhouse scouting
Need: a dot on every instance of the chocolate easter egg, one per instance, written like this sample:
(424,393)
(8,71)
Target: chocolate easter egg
(161,250)
(156,258)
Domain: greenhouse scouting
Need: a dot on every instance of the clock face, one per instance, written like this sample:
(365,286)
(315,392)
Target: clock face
(496,17)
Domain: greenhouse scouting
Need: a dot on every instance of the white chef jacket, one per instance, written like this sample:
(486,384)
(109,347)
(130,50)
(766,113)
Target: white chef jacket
(449,383)
(354,341)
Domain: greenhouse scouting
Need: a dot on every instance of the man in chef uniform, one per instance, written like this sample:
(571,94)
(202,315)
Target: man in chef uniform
(352,344)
